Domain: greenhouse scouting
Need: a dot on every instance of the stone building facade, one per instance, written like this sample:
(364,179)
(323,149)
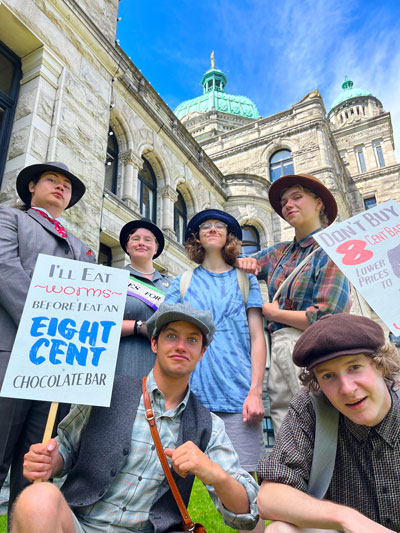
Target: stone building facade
(69,93)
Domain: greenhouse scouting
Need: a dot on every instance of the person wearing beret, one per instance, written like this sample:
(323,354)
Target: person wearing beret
(317,288)
(143,241)
(354,374)
(47,190)
(229,379)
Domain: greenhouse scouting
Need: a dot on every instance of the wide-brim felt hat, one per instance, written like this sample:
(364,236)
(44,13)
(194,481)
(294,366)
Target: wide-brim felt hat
(142,223)
(184,312)
(337,335)
(33,172)
(311,183)
(213,214)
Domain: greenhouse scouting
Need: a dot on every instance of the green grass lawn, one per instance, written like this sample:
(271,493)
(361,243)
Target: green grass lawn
(201,509)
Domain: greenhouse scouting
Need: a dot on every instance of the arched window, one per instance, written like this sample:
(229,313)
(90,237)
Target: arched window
(180,219)
(250,240)
(10,74)
(147,190)
(280,164)
(111,163)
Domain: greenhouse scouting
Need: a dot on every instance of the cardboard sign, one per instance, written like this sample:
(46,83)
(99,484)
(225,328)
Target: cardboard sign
(366,248)
(67,342)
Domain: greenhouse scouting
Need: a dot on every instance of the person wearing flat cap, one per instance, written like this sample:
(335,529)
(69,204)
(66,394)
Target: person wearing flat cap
(336,459)
(115,481)
(229,379)
(317,287)
(47,190)
(143,241)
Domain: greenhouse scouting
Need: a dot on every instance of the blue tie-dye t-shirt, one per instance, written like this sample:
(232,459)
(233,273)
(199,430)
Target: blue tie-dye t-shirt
(221,380)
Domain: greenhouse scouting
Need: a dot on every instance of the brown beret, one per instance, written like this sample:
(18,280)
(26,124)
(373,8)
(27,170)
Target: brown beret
(336,335)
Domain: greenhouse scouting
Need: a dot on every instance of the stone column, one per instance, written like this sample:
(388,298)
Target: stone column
(132,164)
(169,197)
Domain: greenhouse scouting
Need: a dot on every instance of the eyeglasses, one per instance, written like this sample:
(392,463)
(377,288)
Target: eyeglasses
(219,226)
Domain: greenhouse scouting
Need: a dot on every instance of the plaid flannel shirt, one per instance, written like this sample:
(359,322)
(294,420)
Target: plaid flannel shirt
(319,289)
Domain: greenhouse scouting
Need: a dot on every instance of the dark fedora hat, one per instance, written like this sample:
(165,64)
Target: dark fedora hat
(142,223)
(311,183)
(33,172)
(213,214)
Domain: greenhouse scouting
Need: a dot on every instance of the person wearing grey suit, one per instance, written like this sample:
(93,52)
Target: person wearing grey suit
(47,190)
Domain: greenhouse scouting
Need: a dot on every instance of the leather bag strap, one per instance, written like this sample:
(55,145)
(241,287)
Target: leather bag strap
(190,526)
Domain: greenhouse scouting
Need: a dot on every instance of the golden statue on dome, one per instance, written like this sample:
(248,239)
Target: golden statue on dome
(212,59)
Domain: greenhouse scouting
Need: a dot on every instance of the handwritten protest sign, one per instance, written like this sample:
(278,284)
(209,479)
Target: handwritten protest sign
(67,341)
(366,248)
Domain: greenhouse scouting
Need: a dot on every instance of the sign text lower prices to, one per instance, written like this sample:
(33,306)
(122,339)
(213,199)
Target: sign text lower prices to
(366,247)
(67,341)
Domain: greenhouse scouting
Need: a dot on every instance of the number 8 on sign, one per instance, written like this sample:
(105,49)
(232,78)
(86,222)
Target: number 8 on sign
(354,252)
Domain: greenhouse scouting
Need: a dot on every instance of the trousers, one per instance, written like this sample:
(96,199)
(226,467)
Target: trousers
(283,381)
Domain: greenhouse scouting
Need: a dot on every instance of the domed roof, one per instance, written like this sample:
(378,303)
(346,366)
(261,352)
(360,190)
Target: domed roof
(348,92)
(215,97)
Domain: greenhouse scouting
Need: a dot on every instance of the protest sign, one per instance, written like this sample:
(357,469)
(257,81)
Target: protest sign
(67,342)
(366,248)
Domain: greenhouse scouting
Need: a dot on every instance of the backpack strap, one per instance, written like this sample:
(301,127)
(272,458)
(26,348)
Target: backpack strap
(185,282)
(242,277)
(244,284)
(325,445)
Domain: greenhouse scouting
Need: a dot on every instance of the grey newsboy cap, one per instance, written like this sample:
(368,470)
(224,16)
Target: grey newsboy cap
(182,311)
(336,335)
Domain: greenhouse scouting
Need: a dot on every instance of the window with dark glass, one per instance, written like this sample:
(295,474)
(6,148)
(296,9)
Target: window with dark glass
(10,75)
(105,255)
(147,190)
(360,158)
(111,163)
(370,202)
(180,219)
(281,164)
(250,240)
(379,153)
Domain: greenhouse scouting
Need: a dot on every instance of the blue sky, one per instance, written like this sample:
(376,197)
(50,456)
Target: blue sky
(273,52)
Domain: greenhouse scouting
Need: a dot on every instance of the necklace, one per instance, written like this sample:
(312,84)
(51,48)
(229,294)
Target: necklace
(145,273)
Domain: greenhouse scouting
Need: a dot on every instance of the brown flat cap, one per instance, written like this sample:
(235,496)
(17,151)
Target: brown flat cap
(336,335)
(311,183)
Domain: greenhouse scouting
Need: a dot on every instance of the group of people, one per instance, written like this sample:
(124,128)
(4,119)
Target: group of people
(203,351)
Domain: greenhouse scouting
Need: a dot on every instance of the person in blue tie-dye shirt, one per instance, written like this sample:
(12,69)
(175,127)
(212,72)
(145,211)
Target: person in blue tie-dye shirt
(229,379)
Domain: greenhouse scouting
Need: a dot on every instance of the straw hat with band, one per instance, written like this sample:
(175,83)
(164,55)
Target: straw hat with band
(309,182)
(213,214)
(142,223)
(33,172)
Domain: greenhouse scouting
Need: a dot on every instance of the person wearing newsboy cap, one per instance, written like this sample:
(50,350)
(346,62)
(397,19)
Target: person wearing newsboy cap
(317,287)
(340,441)
(115,481)
(46,190)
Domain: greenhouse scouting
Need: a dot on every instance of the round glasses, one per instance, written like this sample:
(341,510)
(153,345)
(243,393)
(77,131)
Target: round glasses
(207,226)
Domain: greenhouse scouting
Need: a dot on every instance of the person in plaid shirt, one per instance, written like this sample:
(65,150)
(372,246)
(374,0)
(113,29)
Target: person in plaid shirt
(346,361)
(318,288)
(115,480)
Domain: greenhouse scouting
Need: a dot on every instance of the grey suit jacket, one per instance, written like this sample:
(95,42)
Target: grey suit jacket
(23,236)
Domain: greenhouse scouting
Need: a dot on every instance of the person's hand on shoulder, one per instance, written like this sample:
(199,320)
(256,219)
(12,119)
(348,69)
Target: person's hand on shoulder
(248,264)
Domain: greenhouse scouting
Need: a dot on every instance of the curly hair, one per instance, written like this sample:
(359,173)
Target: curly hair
(387,358)
(229,252)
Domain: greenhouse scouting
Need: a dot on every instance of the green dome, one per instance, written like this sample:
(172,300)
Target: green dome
(215,97)
(348,92)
